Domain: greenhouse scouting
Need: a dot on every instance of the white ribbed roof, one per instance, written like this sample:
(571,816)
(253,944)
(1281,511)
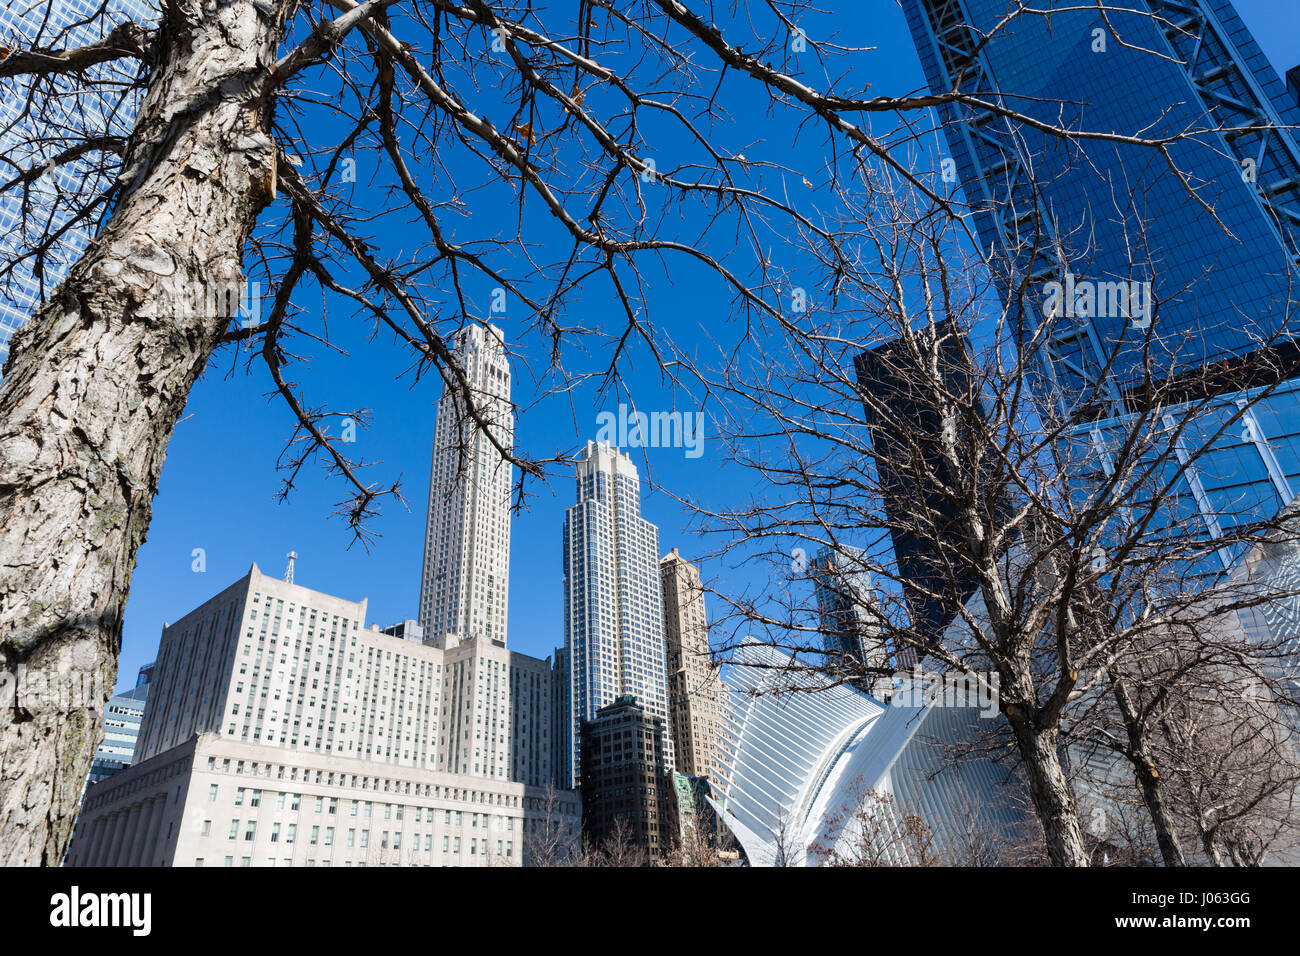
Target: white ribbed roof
(801,760)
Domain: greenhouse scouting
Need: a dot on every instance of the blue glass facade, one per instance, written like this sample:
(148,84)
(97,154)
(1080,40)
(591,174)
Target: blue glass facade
(29,142)
(122,717)
(1100,215)
(1106,212)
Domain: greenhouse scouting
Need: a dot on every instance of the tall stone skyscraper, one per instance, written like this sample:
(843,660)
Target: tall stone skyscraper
(467,539)
(496,717)
(613,610)
(696,693)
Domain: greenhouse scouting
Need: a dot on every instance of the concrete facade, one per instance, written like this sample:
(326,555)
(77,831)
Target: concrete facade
(296,676)
(466,575)
(696,693)
(212,801)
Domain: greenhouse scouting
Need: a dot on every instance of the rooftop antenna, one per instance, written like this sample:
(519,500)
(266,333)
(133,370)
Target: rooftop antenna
(288,571)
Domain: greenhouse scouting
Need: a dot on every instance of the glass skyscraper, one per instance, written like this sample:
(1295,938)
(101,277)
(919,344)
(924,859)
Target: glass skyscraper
(122,716)
(613,602)
(1115,220)
(845,599)
(69,112)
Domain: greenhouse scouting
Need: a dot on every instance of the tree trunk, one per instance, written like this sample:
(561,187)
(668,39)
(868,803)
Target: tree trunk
(1050,791)
(1236,854)
(93,389)
(1208,842)
(1148,779)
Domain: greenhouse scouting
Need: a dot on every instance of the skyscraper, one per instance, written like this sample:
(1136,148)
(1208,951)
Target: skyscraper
(497,719)
(916,483)
(846,601)
(30,142)
(613,605)
(466,574)
(1109,216)
(696,693)
(627,784)
(122,717)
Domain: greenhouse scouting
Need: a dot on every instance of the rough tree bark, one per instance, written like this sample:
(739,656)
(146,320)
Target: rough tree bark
(1147,777)
(1053,799)
(1048,787)
(93,389)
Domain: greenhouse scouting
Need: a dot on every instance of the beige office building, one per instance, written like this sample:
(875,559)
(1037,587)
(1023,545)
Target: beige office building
(696,693)
(274,676)
(214,801)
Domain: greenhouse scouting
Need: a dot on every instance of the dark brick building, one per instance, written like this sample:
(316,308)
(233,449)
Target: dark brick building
(624,777)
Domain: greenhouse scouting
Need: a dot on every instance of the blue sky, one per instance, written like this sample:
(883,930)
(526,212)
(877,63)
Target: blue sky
(219,483)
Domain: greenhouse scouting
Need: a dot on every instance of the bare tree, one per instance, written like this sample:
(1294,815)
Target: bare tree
(1235,775)
(549,839)
(255,125)
(699,845)
(872,831)
(618,848)
(1200,663)
(914,428)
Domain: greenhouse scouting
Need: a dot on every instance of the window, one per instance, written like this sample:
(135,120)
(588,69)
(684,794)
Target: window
(329,836)
(234,829)
(212,793)
(256,799)
(207,828)
(275,833)
(239,797)
(315,833)
(251,830)
(291,833)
